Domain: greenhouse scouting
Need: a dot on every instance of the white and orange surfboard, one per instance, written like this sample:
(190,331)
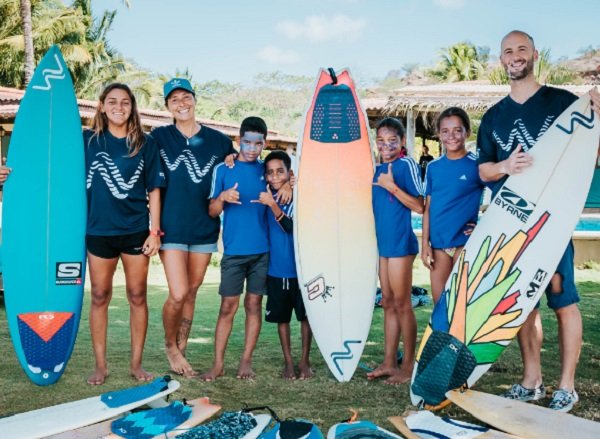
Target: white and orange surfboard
(334,227)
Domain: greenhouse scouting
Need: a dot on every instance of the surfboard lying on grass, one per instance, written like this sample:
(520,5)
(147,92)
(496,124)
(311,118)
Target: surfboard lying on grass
(72,415)
(232,425)
(509,259)
(43,224)
(164,422)
(523,419)
(334,228)
(425,425)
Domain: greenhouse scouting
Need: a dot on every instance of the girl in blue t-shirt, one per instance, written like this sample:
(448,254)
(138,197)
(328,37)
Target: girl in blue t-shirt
(123,178)
(396,192)
(453,192)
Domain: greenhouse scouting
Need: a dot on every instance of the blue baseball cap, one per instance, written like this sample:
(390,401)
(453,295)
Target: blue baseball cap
(176,84)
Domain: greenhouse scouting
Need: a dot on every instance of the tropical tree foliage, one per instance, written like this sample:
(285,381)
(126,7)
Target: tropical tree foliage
(461,62)
(52,23)
(83,40)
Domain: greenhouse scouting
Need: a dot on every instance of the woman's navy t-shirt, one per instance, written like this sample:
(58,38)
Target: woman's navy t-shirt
(117,184)
(188,169)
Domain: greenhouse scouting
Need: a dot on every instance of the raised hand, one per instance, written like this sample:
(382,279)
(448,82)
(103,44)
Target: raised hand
(265,198)
(386,180)
(231,195)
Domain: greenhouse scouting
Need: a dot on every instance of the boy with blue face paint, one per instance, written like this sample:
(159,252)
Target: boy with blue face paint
(246,244)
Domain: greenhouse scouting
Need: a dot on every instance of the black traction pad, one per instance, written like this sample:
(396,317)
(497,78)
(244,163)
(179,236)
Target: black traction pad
(335,116)
(445,364)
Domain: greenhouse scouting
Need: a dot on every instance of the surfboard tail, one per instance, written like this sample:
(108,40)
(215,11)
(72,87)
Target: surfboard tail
(47,339)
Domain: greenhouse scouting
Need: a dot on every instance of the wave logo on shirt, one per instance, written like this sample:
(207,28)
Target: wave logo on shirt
(514,204)
(191,164)
(578,118)
(116,184)
(521,135)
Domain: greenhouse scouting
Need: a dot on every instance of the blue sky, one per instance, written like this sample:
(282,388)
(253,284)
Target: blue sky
(233,40)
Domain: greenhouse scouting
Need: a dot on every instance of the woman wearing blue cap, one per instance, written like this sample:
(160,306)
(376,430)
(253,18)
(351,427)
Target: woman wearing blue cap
(189,152)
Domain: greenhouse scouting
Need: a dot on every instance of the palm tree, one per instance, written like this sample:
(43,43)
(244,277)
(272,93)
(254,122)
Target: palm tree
(25,11)
(461,62)
(49,22)
(52,23)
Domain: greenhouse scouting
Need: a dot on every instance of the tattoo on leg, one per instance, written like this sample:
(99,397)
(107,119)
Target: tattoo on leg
(184,331)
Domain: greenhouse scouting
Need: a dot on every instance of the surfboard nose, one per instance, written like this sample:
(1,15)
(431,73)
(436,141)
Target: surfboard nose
(46,339)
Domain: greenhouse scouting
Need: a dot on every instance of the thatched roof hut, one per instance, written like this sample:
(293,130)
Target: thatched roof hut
(421,104)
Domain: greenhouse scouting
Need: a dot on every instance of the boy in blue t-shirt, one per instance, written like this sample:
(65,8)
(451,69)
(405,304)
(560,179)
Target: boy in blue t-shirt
(282,281)
(246,242)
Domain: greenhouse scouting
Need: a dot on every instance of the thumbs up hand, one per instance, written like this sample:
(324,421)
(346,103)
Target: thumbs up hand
(231,195)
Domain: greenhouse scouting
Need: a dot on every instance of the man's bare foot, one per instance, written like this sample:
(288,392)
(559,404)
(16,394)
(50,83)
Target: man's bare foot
(140,374)
(305,371)
(288,372)
(98,377)
(212,374)
(245,371)
(178,363)
(382,371)
(401,377)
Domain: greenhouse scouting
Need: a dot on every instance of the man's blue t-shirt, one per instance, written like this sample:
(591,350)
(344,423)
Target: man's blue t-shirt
(508,124)
(117,185)
(188,170)
(282,262)
(395,236)
(455,190)
(244,225)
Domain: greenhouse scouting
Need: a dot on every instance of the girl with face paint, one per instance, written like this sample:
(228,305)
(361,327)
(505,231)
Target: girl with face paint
(396,192)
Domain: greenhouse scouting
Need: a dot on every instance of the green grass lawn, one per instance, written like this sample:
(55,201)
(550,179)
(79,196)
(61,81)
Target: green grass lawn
(321,399)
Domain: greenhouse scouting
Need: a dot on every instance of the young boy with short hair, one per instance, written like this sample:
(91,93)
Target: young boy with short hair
(282,281)
(246,244)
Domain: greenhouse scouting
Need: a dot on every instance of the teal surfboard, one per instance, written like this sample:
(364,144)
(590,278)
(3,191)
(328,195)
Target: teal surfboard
(44,219)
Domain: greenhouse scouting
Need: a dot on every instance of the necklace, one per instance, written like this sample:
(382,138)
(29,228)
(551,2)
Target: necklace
(187,138)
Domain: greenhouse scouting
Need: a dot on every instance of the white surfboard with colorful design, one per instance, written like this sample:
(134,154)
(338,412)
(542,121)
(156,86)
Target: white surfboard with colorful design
(509,259)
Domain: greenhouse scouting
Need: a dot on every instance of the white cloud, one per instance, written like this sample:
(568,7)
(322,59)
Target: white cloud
(276,55)
(317,29)
(450,4)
